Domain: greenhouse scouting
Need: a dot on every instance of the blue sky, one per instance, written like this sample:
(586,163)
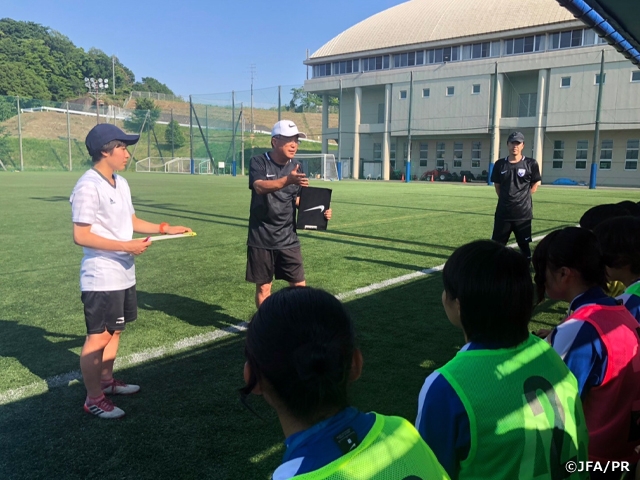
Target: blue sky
(198,46)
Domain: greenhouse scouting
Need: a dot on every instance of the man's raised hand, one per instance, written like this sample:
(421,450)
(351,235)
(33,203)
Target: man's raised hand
(297,177)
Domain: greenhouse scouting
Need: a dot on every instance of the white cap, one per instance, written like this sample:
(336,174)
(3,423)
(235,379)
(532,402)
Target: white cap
(286,128)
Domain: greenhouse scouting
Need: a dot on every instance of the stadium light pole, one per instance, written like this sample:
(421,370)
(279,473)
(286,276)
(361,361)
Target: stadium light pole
(95,85)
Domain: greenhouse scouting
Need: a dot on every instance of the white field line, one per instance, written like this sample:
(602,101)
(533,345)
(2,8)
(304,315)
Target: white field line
(42,386)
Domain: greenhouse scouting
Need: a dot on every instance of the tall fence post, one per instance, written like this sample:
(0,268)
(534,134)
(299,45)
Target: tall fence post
(596,133)
(191,130)
(242,136)
(173,134)
(233,125)
(69,137)
(279,102)
(407,170)
(20,135)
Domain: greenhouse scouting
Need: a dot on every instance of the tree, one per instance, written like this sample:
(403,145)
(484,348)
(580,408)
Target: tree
(143,105)
(38,62)
(174,133)
(4,145)
(304,101)
(150,84)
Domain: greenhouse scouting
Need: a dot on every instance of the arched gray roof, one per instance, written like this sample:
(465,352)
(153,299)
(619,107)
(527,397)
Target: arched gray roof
(422,21)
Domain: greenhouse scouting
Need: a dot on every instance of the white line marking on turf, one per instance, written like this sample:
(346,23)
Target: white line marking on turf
(404,278)
(42,386)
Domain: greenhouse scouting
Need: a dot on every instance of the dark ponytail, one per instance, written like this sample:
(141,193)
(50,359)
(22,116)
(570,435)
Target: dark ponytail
(571,247)
(301,341)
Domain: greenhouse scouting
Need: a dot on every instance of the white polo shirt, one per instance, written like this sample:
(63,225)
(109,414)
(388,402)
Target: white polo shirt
(108,209)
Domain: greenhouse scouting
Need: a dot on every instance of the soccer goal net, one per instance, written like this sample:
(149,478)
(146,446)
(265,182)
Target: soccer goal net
(319,165)
(174,165)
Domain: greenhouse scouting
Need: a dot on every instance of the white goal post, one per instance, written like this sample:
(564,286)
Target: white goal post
(319,165)
(202,166)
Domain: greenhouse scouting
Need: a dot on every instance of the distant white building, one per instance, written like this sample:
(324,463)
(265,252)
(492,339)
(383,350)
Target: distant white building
(470,72)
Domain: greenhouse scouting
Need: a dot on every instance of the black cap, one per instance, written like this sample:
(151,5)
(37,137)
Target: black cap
(104,133)
(515,137)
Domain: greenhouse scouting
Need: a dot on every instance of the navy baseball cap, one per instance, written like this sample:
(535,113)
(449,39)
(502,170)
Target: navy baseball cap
(515,137)
(104,133)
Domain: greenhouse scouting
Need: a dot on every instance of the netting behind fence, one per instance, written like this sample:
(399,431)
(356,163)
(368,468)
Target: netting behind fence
(224,127)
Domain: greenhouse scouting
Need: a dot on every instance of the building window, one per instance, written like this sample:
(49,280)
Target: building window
(440,155)
(424,153)
(392,156)
(480,50)
(597,79)
(441,55)
(606,154)
(527,103)
(635,76)
(631,162)
(582,148)
(375,63)
(377,151)
(558,153)
(450,91)
(401,60)
(425,92)
(457,154)
(529,44)
(476,154)
(475,89)
(567,39)
(565,82)
(403,94)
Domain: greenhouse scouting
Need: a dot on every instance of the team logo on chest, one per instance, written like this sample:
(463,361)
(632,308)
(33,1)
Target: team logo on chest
(521,172)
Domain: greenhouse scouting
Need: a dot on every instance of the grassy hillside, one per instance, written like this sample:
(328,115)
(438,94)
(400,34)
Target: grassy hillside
(45,142)
(310,123)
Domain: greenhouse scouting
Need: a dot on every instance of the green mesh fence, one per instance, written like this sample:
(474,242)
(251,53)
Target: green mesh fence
(47,135)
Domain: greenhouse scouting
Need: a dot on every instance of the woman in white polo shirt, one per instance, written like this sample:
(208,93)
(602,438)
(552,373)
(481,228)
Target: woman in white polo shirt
(103,224)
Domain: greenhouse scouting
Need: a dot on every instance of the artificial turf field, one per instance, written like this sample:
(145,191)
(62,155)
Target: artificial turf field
(187,421)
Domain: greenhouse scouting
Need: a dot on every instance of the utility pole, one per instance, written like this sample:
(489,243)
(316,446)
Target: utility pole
(113,70)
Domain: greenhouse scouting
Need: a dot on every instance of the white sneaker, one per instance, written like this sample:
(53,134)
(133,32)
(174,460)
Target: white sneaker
(104,409)
(118,387)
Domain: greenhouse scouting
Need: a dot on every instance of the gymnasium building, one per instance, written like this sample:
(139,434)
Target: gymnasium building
(443,82)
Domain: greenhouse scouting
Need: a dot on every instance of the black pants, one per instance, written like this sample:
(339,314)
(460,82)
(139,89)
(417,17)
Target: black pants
(522,230)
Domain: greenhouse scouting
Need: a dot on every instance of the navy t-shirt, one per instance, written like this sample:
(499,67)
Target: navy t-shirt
(515,180)
(272,216)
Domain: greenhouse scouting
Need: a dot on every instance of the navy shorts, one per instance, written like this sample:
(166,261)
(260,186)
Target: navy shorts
(263,264)
(109,310)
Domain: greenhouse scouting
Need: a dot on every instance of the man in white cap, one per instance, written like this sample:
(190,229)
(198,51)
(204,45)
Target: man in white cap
(275,181)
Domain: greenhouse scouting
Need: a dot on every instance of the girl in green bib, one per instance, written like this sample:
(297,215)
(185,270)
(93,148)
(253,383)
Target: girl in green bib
(301,356)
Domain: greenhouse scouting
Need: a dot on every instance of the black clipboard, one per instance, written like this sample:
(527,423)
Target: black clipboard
(313,203)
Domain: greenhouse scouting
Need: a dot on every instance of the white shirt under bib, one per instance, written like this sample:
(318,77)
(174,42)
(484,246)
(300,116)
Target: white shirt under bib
(108,210)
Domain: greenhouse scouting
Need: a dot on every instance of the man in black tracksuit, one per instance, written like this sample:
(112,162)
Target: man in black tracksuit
(275,180)
(515,178)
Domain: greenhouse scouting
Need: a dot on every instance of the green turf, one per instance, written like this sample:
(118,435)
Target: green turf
(187,421)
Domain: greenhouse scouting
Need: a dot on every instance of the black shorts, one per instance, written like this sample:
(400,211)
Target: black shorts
(109,310)
(502,231)
(263,264)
